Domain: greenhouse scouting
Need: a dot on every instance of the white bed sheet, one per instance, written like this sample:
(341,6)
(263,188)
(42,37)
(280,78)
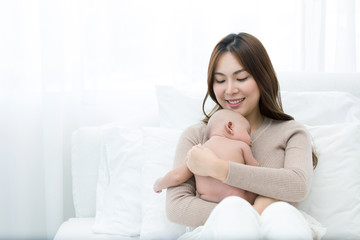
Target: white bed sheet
(80,229)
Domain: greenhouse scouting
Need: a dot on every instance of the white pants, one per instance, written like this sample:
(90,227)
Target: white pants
(235,218)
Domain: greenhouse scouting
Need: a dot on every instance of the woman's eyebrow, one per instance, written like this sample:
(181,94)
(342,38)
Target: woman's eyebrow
(236,72)
(219,73)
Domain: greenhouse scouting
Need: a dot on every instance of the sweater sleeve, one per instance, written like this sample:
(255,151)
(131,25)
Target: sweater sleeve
(286,168)
(183,206)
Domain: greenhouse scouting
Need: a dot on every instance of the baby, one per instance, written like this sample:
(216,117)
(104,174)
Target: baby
(228,135)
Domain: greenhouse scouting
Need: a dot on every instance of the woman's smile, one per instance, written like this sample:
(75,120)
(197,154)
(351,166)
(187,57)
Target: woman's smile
(234,103)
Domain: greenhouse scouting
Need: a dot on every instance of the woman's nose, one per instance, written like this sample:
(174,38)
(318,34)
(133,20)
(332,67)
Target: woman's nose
(231,88)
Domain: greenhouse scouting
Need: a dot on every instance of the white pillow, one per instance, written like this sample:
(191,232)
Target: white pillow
(118,200)
(321,108)
(334,198)
(159,151)
(85,151)
(179,108)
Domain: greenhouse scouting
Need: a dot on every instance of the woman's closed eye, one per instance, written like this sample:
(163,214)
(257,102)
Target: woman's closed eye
(219,81)
(242,79)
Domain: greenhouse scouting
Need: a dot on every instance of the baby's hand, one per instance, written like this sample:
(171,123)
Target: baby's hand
(157,187)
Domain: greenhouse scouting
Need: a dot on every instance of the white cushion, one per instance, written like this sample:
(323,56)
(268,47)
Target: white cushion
(321,108)
(159,151)
(334,198)
(118,202)
(180,108)
(85,155)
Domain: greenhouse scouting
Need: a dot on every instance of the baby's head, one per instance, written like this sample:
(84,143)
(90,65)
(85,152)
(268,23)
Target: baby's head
(230,124)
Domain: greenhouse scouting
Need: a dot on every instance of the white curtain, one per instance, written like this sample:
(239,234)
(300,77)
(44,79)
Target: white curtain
(58,58)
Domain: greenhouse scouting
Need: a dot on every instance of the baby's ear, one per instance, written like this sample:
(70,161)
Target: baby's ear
(229,127)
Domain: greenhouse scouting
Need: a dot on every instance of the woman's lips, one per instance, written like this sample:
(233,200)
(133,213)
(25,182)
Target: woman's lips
(233,103)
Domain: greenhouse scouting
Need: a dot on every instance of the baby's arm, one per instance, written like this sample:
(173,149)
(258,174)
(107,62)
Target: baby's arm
(173,178)
(262,202)
(248,156)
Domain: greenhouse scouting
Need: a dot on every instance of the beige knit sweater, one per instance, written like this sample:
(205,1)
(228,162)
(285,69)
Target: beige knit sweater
(284,151)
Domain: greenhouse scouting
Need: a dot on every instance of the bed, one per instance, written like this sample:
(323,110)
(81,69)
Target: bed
(115,165)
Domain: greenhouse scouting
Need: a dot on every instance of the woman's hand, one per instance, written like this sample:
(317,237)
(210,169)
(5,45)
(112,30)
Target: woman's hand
(203,162)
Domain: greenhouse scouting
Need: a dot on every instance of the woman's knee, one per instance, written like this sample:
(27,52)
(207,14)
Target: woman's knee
(234,201)
(237,206)
(232,218)
(280,207)
(281,220)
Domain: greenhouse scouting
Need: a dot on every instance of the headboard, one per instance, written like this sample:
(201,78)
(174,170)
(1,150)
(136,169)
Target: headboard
(344,82)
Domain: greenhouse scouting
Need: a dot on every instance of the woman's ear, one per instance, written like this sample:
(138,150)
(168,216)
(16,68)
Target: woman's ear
(229,127)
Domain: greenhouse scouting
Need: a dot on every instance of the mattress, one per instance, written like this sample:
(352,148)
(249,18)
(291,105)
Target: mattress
(81,229)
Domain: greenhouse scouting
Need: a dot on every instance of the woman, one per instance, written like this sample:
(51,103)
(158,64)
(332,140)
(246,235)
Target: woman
(241,78)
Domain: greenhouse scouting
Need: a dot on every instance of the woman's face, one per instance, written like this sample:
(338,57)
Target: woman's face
(236,89)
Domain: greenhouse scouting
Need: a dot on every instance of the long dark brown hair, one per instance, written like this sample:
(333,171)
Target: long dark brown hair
(252,56)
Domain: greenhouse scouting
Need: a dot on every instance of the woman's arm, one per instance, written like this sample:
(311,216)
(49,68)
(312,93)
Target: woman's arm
(183,206)
(284,152)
